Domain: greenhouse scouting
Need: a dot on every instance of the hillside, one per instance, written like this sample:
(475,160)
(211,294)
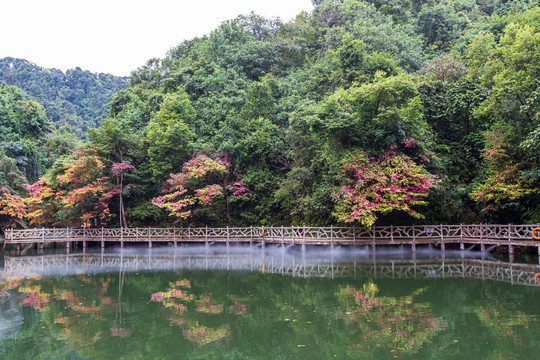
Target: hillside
(365,112)
(76,98)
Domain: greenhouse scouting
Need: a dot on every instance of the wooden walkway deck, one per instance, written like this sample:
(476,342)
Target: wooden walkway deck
(509,236)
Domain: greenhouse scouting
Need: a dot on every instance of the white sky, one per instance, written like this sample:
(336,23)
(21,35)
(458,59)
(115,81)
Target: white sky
(117,36)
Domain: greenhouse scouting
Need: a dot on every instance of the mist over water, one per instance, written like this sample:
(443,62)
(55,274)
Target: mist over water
(237,257)
(274,302)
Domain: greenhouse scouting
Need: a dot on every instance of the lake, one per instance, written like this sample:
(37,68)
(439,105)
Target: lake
(253,303)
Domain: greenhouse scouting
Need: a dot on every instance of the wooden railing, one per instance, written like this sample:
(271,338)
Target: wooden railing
(387,234)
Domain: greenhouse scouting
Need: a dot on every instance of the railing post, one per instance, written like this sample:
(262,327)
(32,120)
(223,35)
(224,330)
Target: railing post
(443,247)
(373,239)
(354,233)
(413,247)
(482,246)
(102,240)
(461,245)
(43,234)
(392,233)
(174,236)
(331,237)
(227,236)
(251,236)
(304,238)
(510,247)
(121,236)
(283,239)
(206,236)
(68,243)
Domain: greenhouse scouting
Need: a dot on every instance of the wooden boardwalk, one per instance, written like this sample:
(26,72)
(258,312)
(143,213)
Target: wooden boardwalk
(509,236)
(513,273)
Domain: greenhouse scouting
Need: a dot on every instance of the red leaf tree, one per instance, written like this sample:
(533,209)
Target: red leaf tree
(79,195)
(201,182)
(390,183)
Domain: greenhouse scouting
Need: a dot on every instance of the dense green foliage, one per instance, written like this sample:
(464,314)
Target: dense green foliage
(449,88)
(23,130)
(76,98)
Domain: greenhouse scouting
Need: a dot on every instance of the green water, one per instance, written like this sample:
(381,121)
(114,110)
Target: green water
(265,304)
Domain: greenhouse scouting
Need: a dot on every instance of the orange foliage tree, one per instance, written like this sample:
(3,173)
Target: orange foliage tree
(201,181)
(79,195)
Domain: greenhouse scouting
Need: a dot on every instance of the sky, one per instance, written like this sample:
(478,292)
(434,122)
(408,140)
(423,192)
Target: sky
(117,36)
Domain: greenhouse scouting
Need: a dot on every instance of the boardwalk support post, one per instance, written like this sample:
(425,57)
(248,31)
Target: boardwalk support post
(461,245)
(413,246)
(304,238)
(68,243)
(443,247)
(331,237)
(373,240)
(482,246)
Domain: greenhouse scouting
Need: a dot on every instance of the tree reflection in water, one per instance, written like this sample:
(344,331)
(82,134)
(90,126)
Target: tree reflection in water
(254,314)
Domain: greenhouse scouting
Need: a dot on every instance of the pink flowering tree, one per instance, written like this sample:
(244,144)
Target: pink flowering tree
(201,182)
(379,186)
(88,189)
(78,193)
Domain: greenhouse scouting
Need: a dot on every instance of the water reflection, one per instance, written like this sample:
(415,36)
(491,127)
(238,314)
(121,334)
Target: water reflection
(266,304)
(396,264)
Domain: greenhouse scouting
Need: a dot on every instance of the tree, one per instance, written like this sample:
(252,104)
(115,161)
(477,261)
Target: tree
(78,192)
(201,182)
(23,128)
(45,203)
(12,181)
(119,169)
(169,134)
(391,183)
(88,189)
(508,66)
(12,206)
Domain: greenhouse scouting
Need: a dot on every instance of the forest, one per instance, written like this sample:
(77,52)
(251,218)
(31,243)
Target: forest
(358,112)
